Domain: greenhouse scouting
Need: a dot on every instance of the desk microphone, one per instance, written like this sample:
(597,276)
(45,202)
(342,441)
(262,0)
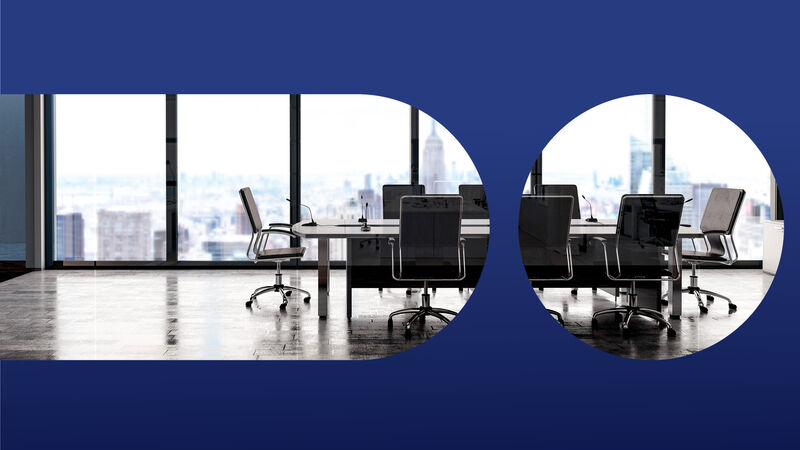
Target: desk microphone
(591,216)
(363,218)
(309,224)
(365,227)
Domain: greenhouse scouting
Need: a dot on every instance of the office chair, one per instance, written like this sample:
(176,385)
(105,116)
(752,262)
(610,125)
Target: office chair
(430,248)
(392,193)
(647,229)
(717,224)
(475,207)
(563,189)
(544,225)
(257,251)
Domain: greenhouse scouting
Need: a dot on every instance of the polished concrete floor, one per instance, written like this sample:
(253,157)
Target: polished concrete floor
(695,331)
(194,314)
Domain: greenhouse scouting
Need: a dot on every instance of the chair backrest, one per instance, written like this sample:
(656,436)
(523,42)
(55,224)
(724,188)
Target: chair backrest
(475,204)
(646,225)
(544,226)
(720,216)
(392,194)
(563,189)
(250,208)
(430,231)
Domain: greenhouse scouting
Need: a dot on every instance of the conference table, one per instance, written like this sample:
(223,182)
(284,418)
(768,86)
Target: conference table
(580,230)
(325,230)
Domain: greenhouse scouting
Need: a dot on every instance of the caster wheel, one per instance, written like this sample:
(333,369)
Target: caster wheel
(594,289)
(283,306)
(671,332)
(574,292)
(710,298)
(421,319)
(626,332)
(380,289)
(594,324)
(664,302)
(433,290)
(390,323)
(288,293)
(662,325)
(460,289)
(307,299)
(248,304)
(407,333)
(731,307)
(408,292)
(618,317)
(541,289)
(703,310)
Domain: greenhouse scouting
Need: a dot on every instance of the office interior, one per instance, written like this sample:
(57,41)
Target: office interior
(180,226)
(728,236)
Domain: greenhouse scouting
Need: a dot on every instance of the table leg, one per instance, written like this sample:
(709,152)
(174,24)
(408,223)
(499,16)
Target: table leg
(323,276)
(349,276)
(675,296)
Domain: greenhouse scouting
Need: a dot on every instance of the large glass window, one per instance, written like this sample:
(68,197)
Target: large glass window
(110,189)
(706,150)
(351,146)
(606,152)
(444,164)
(12,177)
(227,142)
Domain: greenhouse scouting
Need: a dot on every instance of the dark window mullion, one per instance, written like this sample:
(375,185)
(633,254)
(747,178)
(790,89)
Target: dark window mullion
(172,177)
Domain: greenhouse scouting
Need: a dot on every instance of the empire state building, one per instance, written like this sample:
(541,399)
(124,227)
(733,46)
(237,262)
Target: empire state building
(432,170)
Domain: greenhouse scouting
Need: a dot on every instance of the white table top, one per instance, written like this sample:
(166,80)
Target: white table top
(348,229)
(599,223)
(606,230)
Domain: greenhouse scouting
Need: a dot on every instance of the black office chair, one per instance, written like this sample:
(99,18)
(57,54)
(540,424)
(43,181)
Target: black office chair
(430,248)
(257,251)
(392,193)
(544,225)
(563,189)
(717,225)
(475,204)
(647,229)
(475,207)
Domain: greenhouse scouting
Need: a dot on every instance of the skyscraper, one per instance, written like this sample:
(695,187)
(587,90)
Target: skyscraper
(123,236)
(69,237)
(641,161)
(432,169)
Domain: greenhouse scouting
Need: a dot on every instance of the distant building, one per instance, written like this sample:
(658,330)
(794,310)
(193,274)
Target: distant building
(242,221)
(69,237)
(123,236)
(432,169)
(641,162)
(160,243)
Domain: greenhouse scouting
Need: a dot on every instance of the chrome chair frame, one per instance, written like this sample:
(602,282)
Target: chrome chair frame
(632,309)
(694,287)
(425,309)
(260,239)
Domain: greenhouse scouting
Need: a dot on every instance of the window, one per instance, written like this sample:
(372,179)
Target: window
(110,189)
(12,177)
(444,164)
(351,146)
(706,150)
(225,143)
(606,151)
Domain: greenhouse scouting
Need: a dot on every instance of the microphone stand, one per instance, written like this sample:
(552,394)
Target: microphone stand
(364,227)
(591,218)
(309,224)
(363,218)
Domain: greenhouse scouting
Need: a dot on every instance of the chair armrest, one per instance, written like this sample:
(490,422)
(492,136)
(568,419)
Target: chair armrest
(284,225)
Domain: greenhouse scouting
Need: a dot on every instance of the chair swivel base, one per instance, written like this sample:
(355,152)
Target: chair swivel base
(557,315)
(710,295)
(419,313)
(285,291)
(626,313)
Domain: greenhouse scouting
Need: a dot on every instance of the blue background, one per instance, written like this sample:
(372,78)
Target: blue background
(504,78)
